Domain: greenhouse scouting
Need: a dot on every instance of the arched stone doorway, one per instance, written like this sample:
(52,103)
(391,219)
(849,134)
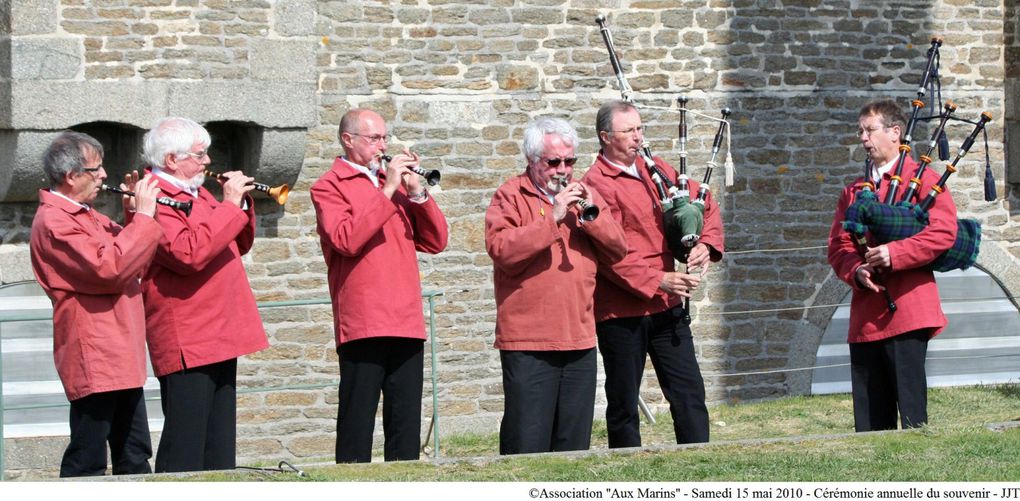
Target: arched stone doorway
(981,345)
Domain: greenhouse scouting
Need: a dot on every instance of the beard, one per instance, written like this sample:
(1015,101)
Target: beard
(555,184)
(196,182)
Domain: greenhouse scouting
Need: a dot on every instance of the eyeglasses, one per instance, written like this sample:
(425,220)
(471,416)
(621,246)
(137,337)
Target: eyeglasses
(197,155)
(555,162)
(92,170)
(870,130)
(632,130)
(375,138)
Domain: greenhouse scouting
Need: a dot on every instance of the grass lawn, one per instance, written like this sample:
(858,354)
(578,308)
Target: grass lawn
(777,440)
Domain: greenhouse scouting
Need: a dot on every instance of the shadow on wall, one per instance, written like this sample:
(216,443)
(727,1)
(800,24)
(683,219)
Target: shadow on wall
(235,146)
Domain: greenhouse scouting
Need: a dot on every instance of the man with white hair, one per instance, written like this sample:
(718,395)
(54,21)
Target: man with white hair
(200,311)
(545,250)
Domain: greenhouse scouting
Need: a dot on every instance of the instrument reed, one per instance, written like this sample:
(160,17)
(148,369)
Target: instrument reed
(182,206)
(278,193)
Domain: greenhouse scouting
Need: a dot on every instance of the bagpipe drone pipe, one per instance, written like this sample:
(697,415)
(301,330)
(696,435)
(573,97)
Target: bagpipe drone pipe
(887,221)
(683,215)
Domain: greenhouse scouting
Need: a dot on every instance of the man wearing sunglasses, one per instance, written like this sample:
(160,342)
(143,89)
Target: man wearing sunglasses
(89,266)
(371,218)
(544,257)
(639,299)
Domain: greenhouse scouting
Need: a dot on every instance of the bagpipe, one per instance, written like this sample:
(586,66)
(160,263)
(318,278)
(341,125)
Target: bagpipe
(683,215)
(889,220)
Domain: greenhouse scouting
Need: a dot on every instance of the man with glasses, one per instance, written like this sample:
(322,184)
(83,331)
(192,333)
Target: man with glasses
(89,266)
(887,350)
(544,257)
(371,218)
(200,311)
(639,299)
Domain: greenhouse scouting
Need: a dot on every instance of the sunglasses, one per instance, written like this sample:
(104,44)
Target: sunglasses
(555,162)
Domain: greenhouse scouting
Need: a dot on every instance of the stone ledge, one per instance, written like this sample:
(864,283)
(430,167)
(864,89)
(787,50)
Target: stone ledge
(58,105)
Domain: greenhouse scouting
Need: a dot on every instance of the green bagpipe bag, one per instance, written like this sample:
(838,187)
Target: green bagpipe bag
(683,221)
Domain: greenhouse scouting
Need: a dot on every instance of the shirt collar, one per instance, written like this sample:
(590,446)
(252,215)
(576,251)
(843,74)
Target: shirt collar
(174,181)
(629,170)
(883,169)
(372,174)
(65,197)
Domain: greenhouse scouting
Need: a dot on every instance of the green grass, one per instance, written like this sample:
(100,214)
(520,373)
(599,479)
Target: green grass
(956,446)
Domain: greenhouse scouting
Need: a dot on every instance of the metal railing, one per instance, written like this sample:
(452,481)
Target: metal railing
(428,295)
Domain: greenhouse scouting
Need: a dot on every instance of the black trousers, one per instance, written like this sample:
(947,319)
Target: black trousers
(200,418)
(624,344)
(887,375)
(394,367)
(549,400)
(117,417)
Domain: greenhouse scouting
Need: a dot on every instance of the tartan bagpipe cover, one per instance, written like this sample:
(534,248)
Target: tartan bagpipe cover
(683,221)
(890,223)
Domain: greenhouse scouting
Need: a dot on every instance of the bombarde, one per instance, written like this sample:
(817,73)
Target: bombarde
(278,193)
(588,210)
(183,206)
(432,177)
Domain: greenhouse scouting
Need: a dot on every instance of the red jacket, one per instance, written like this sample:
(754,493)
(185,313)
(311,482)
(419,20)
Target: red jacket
(369,243)
(911,282)
(544,272)
(630,287)
(199,307)
(89,267)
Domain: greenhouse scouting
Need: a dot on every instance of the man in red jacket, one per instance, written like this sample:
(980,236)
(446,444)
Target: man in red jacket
(544,262)
(371,219)
(89,267)
(638,300)
(888,350)
(200,311)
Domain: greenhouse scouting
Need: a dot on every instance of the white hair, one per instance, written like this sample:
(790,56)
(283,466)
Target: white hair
(535,132)
(172,136)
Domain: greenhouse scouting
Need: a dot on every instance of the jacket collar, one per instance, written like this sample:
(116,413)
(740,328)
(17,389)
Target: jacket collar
(61,202)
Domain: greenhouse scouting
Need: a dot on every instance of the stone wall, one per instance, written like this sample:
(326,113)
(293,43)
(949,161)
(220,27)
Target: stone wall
(457,82)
